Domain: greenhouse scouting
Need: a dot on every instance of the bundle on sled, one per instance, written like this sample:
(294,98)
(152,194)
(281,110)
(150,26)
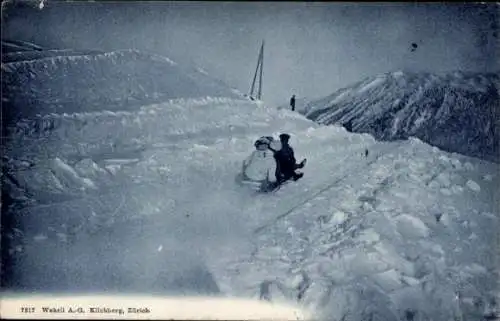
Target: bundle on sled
(270,165)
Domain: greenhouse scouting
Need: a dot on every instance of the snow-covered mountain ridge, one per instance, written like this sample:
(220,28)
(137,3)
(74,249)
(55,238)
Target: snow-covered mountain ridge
(10,46)
(458,112)
(118,80)
(18,56)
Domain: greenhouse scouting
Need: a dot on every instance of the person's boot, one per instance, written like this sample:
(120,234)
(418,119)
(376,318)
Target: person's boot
(302,164)
(297,176)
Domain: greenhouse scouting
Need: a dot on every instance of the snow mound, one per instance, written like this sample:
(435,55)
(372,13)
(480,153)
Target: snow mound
(473,185)
(411,226)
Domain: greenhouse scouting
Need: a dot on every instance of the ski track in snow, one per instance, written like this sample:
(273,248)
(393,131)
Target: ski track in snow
(408,223)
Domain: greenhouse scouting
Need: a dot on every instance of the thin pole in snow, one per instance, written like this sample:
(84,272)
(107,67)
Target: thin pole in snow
(260,61)
(254,77)
(261,69)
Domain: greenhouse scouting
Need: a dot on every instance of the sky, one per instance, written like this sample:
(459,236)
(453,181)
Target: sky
(311,48)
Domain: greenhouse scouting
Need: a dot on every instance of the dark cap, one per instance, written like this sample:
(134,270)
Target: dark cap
(284,137)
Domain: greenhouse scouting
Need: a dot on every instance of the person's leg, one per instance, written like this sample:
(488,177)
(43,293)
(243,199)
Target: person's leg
(288,174)
(279,174)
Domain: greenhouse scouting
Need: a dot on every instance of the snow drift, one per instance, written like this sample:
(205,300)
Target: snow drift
(457,112)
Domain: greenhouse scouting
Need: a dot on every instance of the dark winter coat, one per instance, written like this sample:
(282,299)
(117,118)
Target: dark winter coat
(292,103)
(286,160)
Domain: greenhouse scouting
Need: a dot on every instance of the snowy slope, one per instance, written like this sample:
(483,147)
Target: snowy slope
(119,80)
(146,201)
(457,112)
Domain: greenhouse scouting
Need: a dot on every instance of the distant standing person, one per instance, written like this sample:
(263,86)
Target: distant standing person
(292,102)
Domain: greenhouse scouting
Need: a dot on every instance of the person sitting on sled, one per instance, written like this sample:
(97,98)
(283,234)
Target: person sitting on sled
(259,169)
(285,159)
